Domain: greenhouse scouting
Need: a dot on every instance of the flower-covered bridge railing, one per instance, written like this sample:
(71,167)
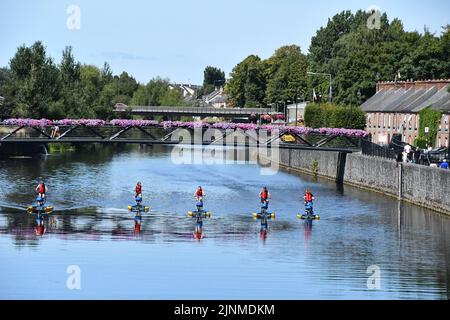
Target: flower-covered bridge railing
(95,123)
(321,136)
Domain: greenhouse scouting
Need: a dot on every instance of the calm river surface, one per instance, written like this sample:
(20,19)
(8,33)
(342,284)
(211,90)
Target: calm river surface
(92,229)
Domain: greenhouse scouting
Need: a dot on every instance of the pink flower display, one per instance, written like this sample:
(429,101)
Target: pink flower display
(181,124)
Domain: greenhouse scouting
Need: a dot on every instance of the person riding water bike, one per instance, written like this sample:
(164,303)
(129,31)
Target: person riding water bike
(264,195)
(308,197)
(41,189)
(199,194)
(138,190)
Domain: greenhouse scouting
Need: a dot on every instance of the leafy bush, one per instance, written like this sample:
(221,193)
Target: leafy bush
(334,116)
(428,118)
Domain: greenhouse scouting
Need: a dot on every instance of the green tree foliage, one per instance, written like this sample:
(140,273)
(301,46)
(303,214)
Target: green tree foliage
(172,97)
(286,74)
(158,92)
(124,86)
(34,86)
(248,83)
(212,77)
(5,78)
(33,83)
(69,102)
(282,77)
(334,116)
(358,57)
(430,118)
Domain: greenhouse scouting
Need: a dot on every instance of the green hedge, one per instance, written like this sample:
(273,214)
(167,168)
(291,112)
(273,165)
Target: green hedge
(334,116)
(428,118)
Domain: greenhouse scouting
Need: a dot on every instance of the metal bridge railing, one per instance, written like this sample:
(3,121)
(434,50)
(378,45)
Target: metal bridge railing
(196,110)
(372,149)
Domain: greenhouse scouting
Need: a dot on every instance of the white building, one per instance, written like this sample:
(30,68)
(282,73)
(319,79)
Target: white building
(217,98)
(292,109)
(189,91)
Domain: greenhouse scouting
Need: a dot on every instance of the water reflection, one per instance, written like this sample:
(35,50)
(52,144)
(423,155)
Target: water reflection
(91,191)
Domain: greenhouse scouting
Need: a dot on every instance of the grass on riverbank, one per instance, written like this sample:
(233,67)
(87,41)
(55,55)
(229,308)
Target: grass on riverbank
(60,147)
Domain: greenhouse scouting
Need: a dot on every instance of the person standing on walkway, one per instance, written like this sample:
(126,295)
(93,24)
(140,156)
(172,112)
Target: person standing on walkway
(406,151)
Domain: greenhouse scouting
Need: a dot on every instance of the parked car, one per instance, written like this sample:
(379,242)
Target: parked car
(437,155)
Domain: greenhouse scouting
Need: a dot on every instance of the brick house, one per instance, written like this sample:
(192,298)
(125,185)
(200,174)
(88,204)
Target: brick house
(394,109)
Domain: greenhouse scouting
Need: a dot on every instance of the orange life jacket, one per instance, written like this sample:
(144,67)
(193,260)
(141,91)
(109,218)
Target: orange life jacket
(264,194)
(41,188)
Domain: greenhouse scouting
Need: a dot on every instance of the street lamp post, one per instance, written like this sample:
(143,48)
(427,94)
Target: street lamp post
(324,74)
(358,94)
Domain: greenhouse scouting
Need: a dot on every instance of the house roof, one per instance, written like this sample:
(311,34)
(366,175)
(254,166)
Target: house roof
(393,98)
(219,99)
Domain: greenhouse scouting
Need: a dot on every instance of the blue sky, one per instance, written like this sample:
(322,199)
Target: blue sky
(177,39)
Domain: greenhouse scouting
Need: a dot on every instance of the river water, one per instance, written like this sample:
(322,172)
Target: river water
(365,246)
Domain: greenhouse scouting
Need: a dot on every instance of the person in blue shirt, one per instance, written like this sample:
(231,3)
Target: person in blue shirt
(444,164)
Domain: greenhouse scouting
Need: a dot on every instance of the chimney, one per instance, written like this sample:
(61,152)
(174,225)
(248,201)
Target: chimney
(415,85)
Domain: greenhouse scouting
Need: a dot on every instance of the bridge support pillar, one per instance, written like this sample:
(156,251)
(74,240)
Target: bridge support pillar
(340,170)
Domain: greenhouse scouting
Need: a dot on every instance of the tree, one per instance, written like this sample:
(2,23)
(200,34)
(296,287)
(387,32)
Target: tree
(124,86)
(286,74)
(156,93)
(172,97)
(212,77)
(358,57)
(247,83)
(69,68)
(69,77)
(106,73)
(334,116)
(106,100)
(156,89)
(5,78)
(34,82)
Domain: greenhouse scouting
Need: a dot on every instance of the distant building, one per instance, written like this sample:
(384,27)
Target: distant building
(218,98)
(395,107)
(292,109)
(1,100)
(189,91)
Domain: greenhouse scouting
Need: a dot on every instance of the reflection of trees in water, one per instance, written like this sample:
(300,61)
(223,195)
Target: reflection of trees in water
(414,253)
(20,176)
(420,228)
(414,239)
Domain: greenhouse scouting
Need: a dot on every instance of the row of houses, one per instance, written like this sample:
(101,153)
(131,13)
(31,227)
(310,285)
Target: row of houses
(217,99)
(395,107)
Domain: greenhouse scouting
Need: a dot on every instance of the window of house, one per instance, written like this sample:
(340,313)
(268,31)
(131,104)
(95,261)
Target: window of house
(410,122)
